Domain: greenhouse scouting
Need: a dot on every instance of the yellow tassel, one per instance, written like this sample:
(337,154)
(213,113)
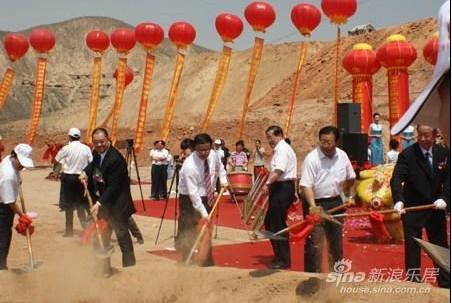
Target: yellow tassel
(141,121)
(120,86)
(94,104)
(38,97)
(257,54)
(295,87)
(337,88)
(172,96)
(220,79)
(5,86)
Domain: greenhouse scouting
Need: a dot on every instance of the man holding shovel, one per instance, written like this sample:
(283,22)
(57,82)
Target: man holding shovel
(326,173)
(422,176)
(10,181)
(108,182)
(196,187)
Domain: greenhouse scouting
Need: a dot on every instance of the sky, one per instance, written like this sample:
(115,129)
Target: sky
(17,15)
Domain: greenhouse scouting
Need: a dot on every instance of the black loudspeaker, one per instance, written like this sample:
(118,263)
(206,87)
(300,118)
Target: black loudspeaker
(349,117)
(355,145)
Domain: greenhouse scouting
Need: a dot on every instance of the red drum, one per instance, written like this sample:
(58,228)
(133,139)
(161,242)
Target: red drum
(241,182)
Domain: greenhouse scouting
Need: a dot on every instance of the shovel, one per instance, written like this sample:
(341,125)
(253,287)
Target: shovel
(386,211)
(32,263)
(327,216)
(104,252)
(204,227)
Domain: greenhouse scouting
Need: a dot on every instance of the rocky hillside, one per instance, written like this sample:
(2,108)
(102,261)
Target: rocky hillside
(68,86)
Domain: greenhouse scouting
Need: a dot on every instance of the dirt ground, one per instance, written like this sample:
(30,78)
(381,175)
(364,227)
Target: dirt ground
(67,270)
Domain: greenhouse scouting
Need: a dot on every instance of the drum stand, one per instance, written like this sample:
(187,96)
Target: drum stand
(176,201)
(131,156)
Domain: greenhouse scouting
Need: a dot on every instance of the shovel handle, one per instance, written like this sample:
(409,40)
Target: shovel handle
(28,236)
(387,211)
(204,227)
(96,222)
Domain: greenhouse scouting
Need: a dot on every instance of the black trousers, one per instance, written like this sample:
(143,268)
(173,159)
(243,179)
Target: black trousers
(282,195)
(159,176)
(313,249)
(72,197)
(121,228)
(187,228)
(134,230)
(434,222)
(6,223)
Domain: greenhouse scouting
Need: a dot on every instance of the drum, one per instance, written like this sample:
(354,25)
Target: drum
(241,182)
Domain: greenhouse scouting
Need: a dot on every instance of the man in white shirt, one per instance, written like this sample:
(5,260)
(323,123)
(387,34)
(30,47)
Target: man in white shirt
(19,158)
(281,189)
(196,187)
(326,173)
(74,157)
(159,172)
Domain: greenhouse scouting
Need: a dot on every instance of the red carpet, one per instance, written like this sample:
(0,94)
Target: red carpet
(359,246)
(229,215)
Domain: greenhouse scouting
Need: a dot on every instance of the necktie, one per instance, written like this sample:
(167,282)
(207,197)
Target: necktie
(427,158)
(208,183)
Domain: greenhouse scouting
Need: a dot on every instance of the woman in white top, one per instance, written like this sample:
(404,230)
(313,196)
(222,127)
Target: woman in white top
(376,142)
(393,153)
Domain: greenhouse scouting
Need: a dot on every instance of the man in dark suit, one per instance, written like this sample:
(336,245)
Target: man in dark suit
(422,176)
(108,183)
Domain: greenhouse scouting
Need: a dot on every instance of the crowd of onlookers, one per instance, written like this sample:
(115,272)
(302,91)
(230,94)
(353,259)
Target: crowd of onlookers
(163,163)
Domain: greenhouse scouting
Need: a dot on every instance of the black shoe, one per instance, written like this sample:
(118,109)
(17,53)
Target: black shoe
(280,265)
(68,234)
(140,241)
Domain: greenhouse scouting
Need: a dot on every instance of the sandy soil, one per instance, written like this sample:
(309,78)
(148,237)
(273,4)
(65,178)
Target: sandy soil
(67,270)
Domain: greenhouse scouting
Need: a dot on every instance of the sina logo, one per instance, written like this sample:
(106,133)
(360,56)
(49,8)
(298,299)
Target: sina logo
(342,273)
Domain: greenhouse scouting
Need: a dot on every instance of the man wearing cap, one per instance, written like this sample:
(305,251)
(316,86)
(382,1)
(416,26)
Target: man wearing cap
(74,157)
(10,181)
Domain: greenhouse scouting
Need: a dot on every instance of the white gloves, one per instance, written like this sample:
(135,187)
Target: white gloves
(440,204)
(399,207)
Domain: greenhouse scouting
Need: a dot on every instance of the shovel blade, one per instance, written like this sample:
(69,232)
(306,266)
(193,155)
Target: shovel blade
(26,268)
(440,255)
(106,253)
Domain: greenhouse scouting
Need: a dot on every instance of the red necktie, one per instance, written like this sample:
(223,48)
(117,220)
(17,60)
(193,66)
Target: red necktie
(207,181)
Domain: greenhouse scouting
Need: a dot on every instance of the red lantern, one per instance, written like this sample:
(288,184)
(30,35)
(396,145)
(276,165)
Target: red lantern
(260,15)
(228,26)
(305,17)
(339,10)
(396,53)
(396,56)
(431,50)
(182,34)
(128,75)
(42,40)
(97,41)
(362,60)
(16,46)
(362,63)
(123,40)
(149,35)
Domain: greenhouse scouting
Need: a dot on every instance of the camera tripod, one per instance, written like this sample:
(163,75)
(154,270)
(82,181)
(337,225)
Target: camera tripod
(174,179)
(131,156)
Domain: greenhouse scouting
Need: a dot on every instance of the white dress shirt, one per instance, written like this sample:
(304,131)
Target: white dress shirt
(191,182)
(9,181)
(326,176)
(285,160)
(161,154)
(74,156)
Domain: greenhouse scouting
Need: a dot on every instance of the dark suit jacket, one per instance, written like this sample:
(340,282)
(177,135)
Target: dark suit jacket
(415,183)
(114,185)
